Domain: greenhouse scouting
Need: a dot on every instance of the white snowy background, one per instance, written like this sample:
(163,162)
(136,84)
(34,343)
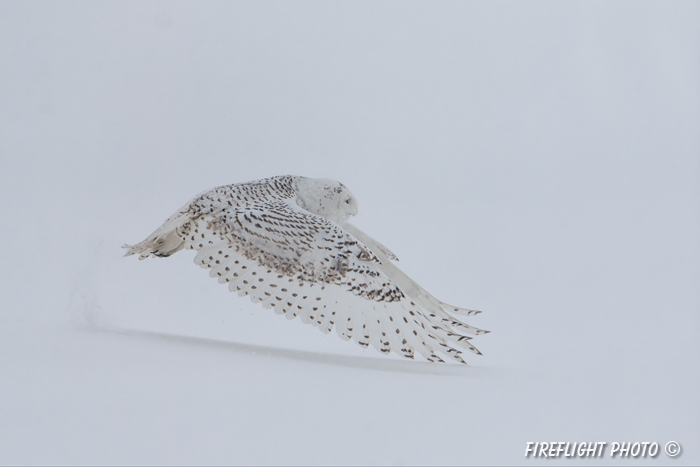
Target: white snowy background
(538,161)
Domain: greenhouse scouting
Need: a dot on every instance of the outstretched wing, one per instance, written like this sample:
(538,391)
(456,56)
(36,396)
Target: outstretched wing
(304,265)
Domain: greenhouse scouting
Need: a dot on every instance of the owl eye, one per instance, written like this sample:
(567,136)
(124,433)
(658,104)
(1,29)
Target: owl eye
(347,201)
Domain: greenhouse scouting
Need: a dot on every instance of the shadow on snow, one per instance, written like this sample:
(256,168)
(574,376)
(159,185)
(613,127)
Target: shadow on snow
(381,364)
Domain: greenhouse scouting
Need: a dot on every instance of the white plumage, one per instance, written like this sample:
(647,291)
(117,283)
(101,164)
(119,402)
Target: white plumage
(285,242)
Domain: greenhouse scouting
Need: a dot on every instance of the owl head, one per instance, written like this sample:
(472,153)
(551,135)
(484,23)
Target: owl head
(326,198)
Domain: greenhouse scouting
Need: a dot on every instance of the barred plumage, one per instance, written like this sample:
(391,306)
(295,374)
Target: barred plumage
(284,241)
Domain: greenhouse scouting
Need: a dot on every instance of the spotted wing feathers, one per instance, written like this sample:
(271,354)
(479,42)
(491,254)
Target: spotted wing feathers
(303,265)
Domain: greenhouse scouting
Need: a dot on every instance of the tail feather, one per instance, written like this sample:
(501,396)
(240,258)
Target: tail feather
(167,240)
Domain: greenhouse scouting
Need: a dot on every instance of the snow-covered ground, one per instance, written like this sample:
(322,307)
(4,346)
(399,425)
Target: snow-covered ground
(538,161)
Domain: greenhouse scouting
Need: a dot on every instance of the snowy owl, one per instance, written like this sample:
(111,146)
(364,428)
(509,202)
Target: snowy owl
(285,242)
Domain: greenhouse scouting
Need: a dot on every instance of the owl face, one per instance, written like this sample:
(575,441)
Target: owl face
(326,198)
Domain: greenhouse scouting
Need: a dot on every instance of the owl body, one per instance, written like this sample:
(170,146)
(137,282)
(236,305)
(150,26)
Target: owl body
(285,242)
